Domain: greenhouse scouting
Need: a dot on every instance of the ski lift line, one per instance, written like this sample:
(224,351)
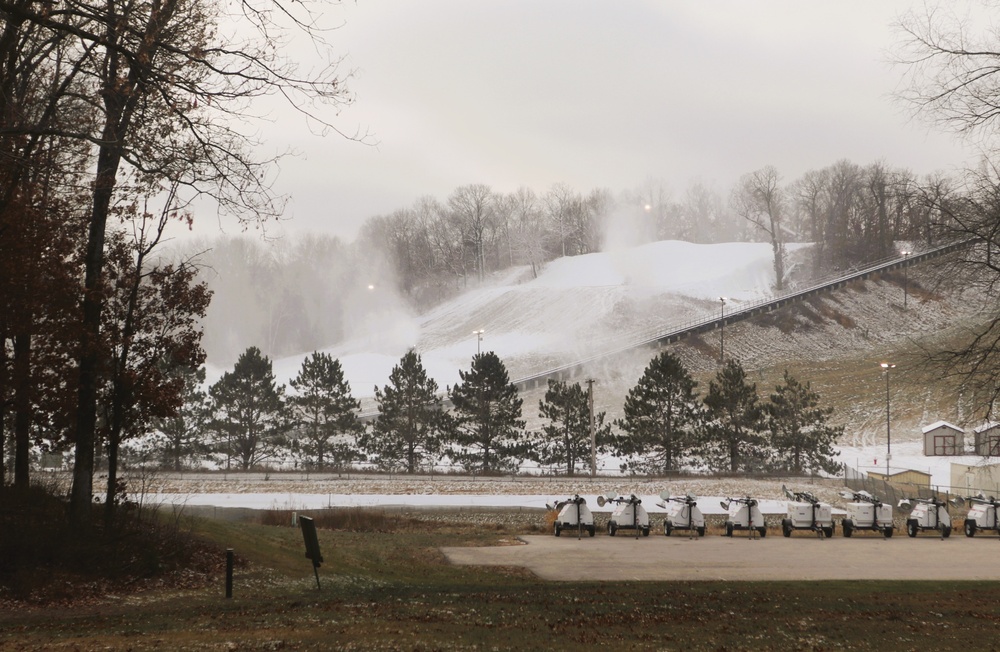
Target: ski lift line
(748,309)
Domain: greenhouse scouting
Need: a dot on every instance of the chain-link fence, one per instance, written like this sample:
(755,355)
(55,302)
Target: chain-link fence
(891,492)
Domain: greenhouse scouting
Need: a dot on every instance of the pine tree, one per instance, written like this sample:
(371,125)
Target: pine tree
(182,436)
(800,435)
(488,434)
(408,431)
(250,414)
(661,417)
(565,440)
(733,438)
(324,412)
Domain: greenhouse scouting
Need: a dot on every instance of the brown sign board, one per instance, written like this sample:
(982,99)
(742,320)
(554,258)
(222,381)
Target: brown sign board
(312,542)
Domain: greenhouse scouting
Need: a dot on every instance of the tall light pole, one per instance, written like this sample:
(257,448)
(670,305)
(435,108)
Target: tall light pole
(722,330)
(593,430)
(886,366)
(479,340)
(906,257)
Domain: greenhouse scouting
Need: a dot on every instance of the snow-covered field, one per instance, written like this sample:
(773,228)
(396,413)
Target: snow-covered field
(310,491)
(299,492)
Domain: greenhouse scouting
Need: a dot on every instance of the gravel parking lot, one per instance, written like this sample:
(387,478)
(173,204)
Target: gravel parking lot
(800,557)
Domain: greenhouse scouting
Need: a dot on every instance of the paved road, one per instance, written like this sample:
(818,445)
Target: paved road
(800,557)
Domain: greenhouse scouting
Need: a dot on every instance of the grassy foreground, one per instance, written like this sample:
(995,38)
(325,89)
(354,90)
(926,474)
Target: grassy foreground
(385,586)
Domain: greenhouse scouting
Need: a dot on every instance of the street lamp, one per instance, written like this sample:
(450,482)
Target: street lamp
(886,366)
(906,256)
(479,339)
(722,331)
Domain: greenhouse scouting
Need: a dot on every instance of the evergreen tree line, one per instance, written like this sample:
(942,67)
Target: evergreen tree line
(246,420)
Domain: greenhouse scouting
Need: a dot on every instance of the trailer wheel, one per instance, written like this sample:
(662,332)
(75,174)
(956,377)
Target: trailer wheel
(828,532)
(848,527)
(558,528)
(701,531)
(762,531)
(612,528)
(667,528)
(888,531)
(970,528)
(591,530)
(786,527)
(729,529)
(946,532)
(911,528)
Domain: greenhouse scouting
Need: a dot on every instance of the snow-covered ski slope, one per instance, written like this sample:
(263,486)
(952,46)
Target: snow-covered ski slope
(574,307)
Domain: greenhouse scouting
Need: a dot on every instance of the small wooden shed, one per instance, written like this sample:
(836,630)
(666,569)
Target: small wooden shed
(987,439)
(907,478)
(943,438)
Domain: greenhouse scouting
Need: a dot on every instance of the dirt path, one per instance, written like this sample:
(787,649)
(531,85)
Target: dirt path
(801,557)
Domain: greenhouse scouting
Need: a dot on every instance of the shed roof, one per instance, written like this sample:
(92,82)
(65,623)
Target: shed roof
(941,424)
(989,425)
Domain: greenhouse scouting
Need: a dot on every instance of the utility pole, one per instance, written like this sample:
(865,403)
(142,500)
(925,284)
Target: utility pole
(886,367)
(906,258)
(593,431)
(722,330)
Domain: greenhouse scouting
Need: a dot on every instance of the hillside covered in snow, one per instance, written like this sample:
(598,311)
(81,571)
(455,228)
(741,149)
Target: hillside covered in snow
(578,306)
(574,307)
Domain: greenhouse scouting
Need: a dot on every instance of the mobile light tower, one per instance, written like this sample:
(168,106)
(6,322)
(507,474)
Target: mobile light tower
(722,329)
(479,340)
(906,257)
(886,366)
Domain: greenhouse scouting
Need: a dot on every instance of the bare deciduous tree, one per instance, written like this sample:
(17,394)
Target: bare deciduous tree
(759,199)
(952,78)
(472,207)
(166,87)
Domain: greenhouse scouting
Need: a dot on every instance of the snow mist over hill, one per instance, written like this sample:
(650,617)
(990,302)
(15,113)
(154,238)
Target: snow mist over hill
(572,309)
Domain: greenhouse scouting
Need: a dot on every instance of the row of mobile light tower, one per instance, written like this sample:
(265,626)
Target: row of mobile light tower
(865,512)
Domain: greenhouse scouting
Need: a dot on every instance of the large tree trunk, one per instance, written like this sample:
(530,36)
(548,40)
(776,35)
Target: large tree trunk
(4,387)
(22,410)
(86,419)
(123,88)
(112,486)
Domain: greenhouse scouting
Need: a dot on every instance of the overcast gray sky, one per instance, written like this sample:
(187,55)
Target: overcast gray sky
(600,94)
